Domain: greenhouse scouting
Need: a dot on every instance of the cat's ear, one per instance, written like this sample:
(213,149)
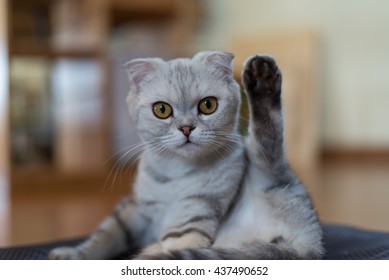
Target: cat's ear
(219,60)
(139,70)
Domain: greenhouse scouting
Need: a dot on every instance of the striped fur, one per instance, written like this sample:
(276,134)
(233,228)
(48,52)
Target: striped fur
(237,201)
(254,251)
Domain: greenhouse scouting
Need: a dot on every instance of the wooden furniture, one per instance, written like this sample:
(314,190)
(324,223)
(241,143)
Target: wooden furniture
(74,39)
(296,54)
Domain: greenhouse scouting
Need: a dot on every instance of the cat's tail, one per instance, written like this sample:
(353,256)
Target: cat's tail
(254,251)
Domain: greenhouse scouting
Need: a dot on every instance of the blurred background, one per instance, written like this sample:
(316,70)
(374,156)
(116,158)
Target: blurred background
(64,127)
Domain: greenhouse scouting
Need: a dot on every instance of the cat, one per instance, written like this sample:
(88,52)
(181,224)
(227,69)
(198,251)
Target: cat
(186,112)
(250,205)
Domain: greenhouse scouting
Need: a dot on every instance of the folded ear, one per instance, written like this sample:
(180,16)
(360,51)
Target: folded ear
(219,60)
(139,70)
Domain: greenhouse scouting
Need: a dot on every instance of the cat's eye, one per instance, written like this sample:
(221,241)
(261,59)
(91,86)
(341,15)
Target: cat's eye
(162,110)
(208,105)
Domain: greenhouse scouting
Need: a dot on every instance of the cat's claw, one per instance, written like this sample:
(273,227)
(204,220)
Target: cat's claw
(66,253)
(261,76)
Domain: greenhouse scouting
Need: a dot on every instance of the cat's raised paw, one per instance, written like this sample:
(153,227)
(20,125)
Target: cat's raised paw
(262,77)
(66,253)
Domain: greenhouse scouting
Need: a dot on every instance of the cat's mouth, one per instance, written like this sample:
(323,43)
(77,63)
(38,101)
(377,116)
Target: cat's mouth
(188,143)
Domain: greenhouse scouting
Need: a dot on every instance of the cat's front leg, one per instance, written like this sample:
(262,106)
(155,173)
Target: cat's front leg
(262,80)
(171,245)
(116,234)
(198,232)
(154,249)
(107,241)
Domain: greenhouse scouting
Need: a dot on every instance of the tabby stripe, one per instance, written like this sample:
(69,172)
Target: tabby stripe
(123,227)
(277,240)
(214,203)
(187,231)
(291,184)
(145,217)
(196,219)
(95,238)
(148,202)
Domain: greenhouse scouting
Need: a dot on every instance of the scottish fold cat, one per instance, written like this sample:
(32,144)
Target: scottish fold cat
(203,191)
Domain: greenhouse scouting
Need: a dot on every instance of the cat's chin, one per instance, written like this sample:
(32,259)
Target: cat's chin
(189,149)
(188,146)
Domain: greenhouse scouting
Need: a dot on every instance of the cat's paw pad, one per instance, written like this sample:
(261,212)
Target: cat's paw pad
(66,253)
(261,76)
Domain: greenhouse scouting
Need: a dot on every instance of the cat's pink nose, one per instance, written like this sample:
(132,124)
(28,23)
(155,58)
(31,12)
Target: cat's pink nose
(187,130)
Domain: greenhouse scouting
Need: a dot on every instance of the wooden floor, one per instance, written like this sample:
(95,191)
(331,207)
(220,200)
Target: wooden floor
(350,192)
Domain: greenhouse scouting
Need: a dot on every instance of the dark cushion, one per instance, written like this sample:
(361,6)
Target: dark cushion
(340,242)
(347,243)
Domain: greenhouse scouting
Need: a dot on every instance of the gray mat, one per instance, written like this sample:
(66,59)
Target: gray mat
(340,242)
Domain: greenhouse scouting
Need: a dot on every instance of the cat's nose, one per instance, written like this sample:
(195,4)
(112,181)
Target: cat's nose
(187,129)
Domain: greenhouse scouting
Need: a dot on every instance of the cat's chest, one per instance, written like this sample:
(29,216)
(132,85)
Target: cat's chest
(253,216)
(160,200)
(168,181)
(251,219)
(157,192)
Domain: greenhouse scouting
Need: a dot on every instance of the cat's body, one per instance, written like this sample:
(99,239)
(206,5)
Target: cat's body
(207,193)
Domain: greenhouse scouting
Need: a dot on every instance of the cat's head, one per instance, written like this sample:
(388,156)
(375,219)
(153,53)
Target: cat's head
(187,107)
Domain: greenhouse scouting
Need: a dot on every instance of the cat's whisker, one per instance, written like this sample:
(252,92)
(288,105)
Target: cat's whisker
(217,146)
(231,137)
(130,153)
(119,169)
(117,165)
(112,157)
(133,160)
(149,146)
(134,151)
(244,119)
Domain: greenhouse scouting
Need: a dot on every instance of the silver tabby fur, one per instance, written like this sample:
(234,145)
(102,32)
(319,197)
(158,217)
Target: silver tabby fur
(212,194)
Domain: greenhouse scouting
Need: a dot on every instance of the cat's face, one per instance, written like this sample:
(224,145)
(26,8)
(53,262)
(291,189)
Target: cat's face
(185,107)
